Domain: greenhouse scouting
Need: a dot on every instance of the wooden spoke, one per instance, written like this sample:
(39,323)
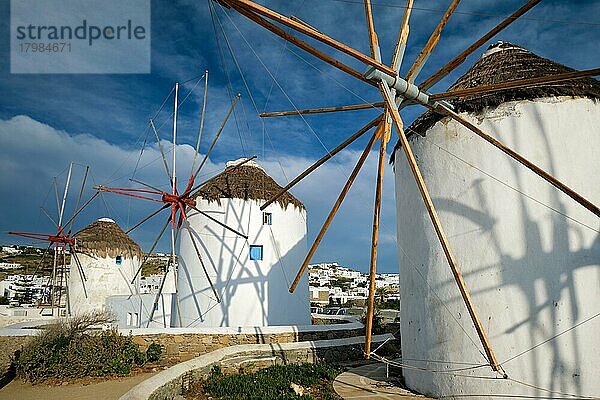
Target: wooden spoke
(333,211)
(85,175)
(148,217)
(201,123)
(323,159)
(402,37)
(145,184)
(385,134)
(294,18)
(373,41)
(189,229)
(80,270)
(439,230)
(82,208)
(219,222)
(258,9)
(162,231)
(299,43)
(352,107)
(431,43)
(162,152)
(555,182)
(44,254)
(47,214)
(194,191)
(459,59)
(157,298)
(217,135)
(79,265)
(530,82)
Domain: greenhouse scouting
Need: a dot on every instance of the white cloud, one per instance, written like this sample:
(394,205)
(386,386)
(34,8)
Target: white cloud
(34,152)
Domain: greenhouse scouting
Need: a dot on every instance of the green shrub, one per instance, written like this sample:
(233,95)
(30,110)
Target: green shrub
(154,352)
(272,383)
(72,349)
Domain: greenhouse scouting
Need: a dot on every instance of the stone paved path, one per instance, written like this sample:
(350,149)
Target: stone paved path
(369,382)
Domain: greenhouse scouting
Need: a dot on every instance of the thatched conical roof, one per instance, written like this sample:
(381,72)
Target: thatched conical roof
(247,182)
(503,62)
(104,237)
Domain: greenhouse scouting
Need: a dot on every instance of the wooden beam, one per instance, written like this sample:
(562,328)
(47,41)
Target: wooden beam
(323,159)
(567,76)
(258,9)
(299,43)
(333,211)
(386,129)
(373,41)
(214,141)
(322,110)
(466,296)
(402,37)
(459,59)
(431,43)
(294,18)
(212,286)
(498,144)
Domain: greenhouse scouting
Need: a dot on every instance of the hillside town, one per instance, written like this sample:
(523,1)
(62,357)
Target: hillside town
(333,284)
(330,284)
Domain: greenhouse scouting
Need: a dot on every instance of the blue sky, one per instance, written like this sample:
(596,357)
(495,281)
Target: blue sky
(48,120)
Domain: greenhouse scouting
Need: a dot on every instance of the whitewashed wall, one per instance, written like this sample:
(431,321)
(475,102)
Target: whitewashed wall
(104,278)
(533,273)
(133,312)
(253,293)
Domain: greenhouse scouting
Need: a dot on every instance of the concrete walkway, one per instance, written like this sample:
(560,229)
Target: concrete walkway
(370,382)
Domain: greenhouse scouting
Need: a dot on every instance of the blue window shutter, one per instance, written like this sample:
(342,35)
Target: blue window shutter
(256,252)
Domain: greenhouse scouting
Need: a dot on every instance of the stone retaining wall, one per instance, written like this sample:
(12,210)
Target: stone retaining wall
(183,346)
(176,380)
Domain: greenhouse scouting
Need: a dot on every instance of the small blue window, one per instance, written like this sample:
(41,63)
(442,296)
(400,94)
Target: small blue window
(256,252)
(119,260)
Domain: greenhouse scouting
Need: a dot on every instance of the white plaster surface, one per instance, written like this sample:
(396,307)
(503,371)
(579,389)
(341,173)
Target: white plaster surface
(253,293)
(533,273)
(104,278)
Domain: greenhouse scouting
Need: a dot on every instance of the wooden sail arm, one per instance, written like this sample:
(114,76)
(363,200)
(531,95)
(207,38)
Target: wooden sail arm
(385,134)
(333,211)
(299,43)
(373,40)
(162,231)
(193,240)
(466,296)
(507,150)
(352,107)
(431,43)
(300,27)
(459,59)
(322,160)
(402,37)
(520,83)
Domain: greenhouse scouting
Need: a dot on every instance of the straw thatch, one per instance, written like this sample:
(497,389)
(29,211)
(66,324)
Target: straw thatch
(247,182)
(105,238)
(507,62)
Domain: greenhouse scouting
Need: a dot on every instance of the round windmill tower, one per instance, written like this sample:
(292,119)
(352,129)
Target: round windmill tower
(109,259)
(248,272)
(530,254)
